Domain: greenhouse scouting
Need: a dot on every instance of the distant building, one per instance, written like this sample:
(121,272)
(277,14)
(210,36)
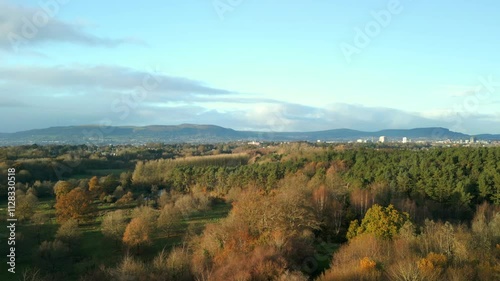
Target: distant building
(254,143)
(382,139)
(473,139)
(405,140)
(359,141)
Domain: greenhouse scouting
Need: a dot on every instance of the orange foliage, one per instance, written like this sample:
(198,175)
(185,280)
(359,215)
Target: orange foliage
(437,259)
(94,185)
(263,263)
(75,204)
(136,233)
(367,264)
(425,265)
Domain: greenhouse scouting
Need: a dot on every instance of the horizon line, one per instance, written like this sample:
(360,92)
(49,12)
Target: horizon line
(240,130)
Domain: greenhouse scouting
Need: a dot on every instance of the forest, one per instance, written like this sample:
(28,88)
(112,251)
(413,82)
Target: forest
(233,211)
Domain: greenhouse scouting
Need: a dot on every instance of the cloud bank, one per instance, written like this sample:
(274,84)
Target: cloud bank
(116,95)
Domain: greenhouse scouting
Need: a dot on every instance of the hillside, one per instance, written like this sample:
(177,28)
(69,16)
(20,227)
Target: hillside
(210,133)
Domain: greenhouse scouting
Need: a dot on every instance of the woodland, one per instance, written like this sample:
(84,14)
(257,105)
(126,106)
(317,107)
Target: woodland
(233,211)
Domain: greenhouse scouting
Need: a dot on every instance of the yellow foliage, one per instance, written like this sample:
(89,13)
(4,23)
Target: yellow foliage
(367,264)
(425,265)
(437,259)
(432,265)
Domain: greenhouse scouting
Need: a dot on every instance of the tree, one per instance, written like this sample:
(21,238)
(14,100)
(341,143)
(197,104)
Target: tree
(129,269)
(125,179)
(68,232)
(137,233)
(114,224)
(147,214)
(109,183)
(169,219)
(61,188)
(173,266)
(51,252)
(25,205)
(76,204)
(39,219)
(119,191)
(185,205)
(384,222)
(164,199)
(126,199)
(94,186)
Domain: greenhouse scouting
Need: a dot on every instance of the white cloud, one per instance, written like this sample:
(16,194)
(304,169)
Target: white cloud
(80,94)
(24,26)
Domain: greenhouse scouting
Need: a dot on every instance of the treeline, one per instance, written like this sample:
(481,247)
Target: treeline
(446,175)
(53,170)
(180,174)
(57,162)
(439,183)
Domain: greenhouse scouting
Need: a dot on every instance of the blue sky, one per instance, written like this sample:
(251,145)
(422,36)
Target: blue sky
(251,64)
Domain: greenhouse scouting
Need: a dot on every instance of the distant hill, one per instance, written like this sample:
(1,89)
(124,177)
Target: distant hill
(488,137)
(348,134)
(210,133)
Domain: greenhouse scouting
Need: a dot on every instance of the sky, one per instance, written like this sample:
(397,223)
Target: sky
(281,65)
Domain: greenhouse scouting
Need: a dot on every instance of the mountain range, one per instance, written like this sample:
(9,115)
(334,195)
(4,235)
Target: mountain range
(191,133)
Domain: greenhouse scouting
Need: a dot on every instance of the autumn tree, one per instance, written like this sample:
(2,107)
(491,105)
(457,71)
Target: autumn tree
(62,187)
(148,215)
(431,267)
(129,269)
(170,218)
(328,203)
(76,204)
(137,233)
(126,199)
(94,186)
(185,205)
(174,265)
(113,225)
(25,205)
(164,199)
(362,200)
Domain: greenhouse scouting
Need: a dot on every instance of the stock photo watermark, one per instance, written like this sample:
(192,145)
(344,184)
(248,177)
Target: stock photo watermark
(31,26)
(222,7)
(11,219)
(484,91)
(364,35)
